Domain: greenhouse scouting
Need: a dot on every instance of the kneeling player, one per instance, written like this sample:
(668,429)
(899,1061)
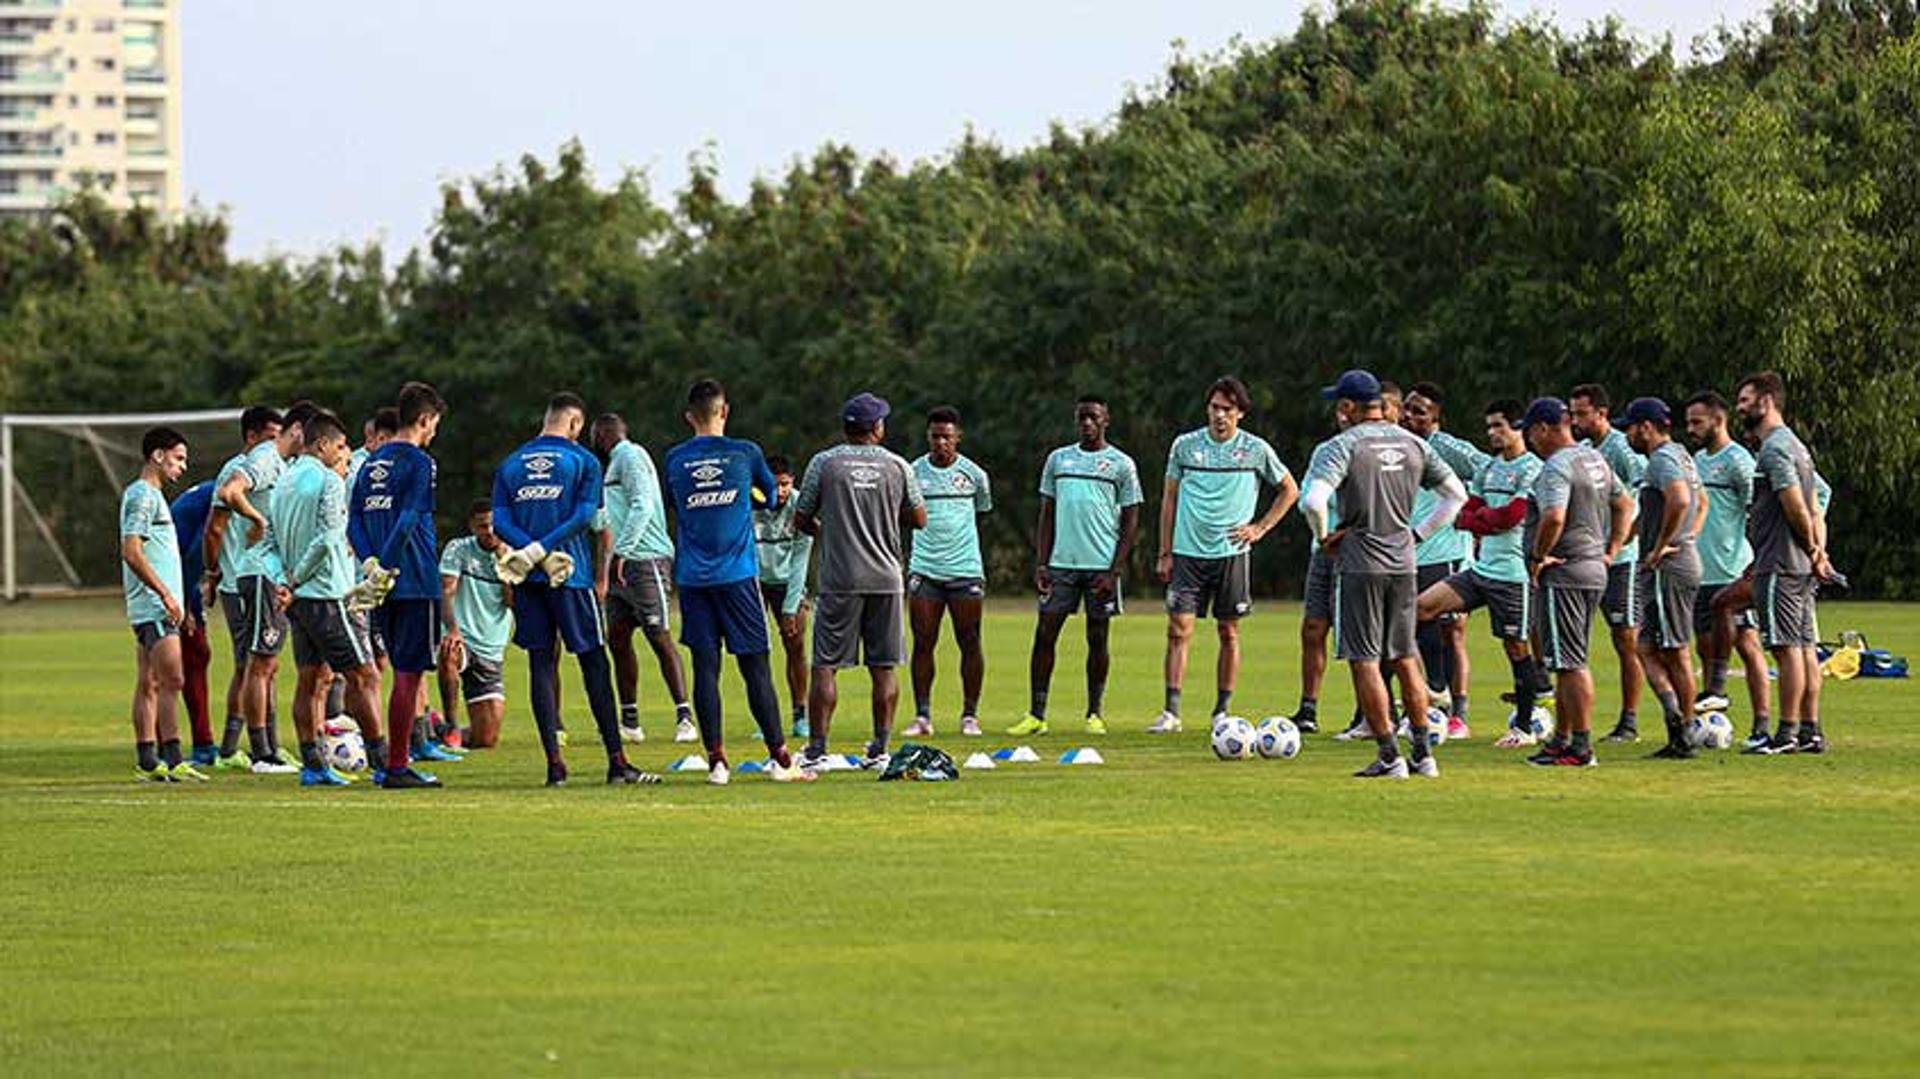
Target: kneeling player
(476,609)
(150,572)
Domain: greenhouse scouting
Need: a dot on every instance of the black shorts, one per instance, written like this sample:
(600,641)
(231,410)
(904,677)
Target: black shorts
(643,594)
(1703,610)
(1433,573)
(266,623)
(325,632)
(1222,587)
(715,614)
(1375,615)
(1622,600)
(237,627)
(411,630)
(855,628)
(1318,603)
(1563,619)
(148,634)
(1507,602)
(1068,590)
(543,612)
(928,588)
(1668,594)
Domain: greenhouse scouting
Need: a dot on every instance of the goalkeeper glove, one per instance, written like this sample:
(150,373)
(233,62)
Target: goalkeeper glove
(559,566)
(515,565)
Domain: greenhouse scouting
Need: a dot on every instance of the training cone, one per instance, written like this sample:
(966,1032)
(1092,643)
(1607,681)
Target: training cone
(979,760)
(688,764)
(1083,755)
(1017,755)
(748,767)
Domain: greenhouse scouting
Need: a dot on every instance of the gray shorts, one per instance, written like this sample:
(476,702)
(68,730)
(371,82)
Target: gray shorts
(1622,601)
(265,622)
(923,587)
(1703,610)
(851,629)
(1374,616)
(1784,604)
(1071,589)
(1433,573)
(1222,587)
(148,634)
(1318,603)
(482,679)
(1508,604)
(1563,619)
(236,615)
(643,594)
(323,632)
(1670,592)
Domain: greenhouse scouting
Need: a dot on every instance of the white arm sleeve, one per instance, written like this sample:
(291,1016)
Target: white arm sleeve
(1446,507)
(1314,505)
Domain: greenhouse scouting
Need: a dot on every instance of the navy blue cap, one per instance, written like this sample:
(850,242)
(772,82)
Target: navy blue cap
(1544,410)
(1642,409)
(865,408)
(1355,385)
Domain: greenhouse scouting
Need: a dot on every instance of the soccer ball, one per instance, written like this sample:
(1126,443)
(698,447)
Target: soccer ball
(1436,727)
(1538,725)
(1277,738)
(1233,738)
(1710,730)
(345,750)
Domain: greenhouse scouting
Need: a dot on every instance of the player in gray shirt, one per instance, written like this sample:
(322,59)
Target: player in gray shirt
(1589,407)
(857,499)
(1669,566)
(1577,520)
(1376,469)
(1789,557)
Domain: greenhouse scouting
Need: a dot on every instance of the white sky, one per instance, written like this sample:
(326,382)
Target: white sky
(323,123)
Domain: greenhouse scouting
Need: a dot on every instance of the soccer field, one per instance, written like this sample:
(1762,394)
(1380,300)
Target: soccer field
(1165,913)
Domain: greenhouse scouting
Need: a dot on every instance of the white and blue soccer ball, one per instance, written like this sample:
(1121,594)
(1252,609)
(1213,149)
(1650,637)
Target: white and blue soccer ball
(1710,730)
(1233,738)
(1436,727)
(1276,738)
(343,748)
(1538,725)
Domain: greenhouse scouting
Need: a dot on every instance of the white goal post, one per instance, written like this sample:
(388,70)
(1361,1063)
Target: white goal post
(104,439)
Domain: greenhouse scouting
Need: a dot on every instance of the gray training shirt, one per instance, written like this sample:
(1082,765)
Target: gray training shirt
(1376,469)
(858,494)
(1579,479)
(1664,466)
(1783,462)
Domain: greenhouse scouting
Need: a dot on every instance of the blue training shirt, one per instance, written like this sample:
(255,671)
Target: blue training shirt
(390,517)
(190,509)
(548,491)
(711,481)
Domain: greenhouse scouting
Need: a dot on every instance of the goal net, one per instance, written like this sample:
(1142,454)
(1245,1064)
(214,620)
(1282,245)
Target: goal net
(60,484)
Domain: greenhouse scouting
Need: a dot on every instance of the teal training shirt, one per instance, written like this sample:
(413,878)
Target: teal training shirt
(1629,467)
(1448,544)
(1317,464)
(144,514)
(233,542)
(948,549)
(263,468)
(1726,478)
(1503,555)
(639,514)
(480,600)
(1219,488)
(784,553)
(310,524)
(1089,488)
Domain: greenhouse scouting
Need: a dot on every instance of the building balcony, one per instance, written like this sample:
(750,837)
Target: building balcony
(34,78)
(28,7)
(146,4)
(15,158)
(146,76)
(136,125)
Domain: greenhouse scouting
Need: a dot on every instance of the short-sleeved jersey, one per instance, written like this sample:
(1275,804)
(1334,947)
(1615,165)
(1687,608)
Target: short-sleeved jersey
(190,509)
(263,467)
(144,515)
(1376,469)
(1668,464)
(355,462)
(547,492)
(391,517)
(233,541)
(858,495)
(712,480)
(1503,555)
(1783,462)
(1576,478)
(948,549)
(1219,485)
(310,520)
(1447,544)
(480,598)
(784,552)
(1726,480)
(634,503)
(1630,467)
(1089,488)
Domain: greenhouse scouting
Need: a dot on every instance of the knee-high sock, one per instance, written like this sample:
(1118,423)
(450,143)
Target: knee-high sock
(764,702)
(706,699)
(1433,654)
(597,673)
(546,700)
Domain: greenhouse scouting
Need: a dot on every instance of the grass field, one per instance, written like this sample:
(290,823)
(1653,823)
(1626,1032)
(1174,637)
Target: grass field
(1165,913)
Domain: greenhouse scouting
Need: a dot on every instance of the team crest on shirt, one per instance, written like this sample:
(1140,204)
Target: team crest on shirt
(708,473)
(1199,457)
(1391,460)
(1102,465)
(864,476)
(963,484)
(377,473)
(1597,472)
(540,465)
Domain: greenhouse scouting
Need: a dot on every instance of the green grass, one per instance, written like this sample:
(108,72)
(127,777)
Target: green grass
(1165,913)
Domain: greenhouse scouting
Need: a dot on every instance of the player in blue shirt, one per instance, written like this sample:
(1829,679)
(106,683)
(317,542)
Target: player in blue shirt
(190,510)
(713,482)
(150,574)
(545,495)
(390,521)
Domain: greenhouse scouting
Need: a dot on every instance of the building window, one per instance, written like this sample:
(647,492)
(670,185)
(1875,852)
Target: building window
(105,138)
(103,26)
(105,101)
(103,63)
(73,64)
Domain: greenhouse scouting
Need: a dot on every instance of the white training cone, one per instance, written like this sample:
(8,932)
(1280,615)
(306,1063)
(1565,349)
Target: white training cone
(1024,755)
(688,764)
(979,760)
(1083,755)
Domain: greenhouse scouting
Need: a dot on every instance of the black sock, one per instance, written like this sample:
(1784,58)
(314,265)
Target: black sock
(1037,704)
(1460,706)
(170,751)
(1418,747)
(1389,748)
(1221,700)
(1309,709)
(922,707)
(1582,741)
(377,753)
(970,707)
(597,673)
(629,715)
(310,756)
(147,756)
(682,711)
(1629,718)
(230,738)
(546,700)
(762,699)
(257,743)
(1433,654)
(1523,694)
(1809,729)
(1789,731)
(1173,700)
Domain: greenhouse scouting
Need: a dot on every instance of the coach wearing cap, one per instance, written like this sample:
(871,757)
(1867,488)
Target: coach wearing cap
(856,498)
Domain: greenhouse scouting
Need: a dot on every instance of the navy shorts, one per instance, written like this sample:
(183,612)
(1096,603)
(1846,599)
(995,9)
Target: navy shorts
(411,630)
(713,613)
(542,612)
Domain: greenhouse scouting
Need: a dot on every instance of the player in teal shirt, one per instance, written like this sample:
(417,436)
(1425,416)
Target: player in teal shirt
(220,553)
(1726,480)
(1590,409)
(785,553)
(1207,525)
(945,575)
(150,576)
(639,594)
(1443,640)
(1089,515)
(476,608)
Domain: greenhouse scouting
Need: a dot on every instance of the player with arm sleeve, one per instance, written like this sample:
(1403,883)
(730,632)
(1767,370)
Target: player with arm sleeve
(150,576)
(784,556)
(946,574)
